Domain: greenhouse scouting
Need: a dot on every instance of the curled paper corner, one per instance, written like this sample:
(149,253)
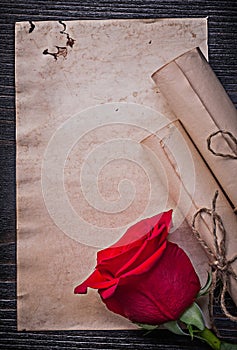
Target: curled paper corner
(161,137)
(174,60)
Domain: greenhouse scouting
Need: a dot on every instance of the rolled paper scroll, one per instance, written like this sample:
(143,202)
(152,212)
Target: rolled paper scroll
(197,98)
(167,147)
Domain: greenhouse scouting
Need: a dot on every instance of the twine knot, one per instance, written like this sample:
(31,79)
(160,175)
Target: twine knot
(231,141)
(221,267)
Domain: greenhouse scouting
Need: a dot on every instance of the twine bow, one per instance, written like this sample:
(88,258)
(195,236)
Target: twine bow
(224,134)
(221,266)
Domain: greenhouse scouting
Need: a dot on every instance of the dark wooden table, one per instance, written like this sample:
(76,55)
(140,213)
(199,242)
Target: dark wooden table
(222,55)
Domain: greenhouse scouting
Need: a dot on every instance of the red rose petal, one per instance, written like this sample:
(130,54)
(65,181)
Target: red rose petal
(143,277)
(118,259)
(96,281)
(160,295)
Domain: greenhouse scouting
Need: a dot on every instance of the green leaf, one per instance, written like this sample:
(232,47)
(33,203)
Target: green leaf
(205,289)
(174,327)
(193,316)
(227,346)
(208,336)
(148,327)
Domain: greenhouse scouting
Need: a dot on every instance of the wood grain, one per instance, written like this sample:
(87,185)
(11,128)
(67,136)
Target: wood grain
(222,55)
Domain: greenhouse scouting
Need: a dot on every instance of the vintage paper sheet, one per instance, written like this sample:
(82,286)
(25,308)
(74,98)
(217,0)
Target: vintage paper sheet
(85,101)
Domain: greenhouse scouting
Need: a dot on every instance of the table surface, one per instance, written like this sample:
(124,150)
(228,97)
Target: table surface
(222,16)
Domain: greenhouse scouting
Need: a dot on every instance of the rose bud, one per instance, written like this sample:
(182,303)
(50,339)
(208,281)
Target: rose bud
(143,276)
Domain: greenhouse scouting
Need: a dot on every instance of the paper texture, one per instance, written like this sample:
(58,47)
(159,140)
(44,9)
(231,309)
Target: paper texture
(85,101)
(197,98)
(167,146)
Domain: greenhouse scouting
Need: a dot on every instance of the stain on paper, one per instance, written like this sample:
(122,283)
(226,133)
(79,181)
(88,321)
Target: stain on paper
(32,26)
(70,41)
(61,51)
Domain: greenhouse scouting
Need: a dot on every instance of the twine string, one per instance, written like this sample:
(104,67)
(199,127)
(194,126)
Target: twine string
(233,147)
(221,267)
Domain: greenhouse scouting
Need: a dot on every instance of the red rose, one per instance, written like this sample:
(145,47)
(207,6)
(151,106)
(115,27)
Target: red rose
(144,277)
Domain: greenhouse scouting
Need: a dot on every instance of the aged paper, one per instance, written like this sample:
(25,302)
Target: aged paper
(167,146)
(197,98)
(85,100)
